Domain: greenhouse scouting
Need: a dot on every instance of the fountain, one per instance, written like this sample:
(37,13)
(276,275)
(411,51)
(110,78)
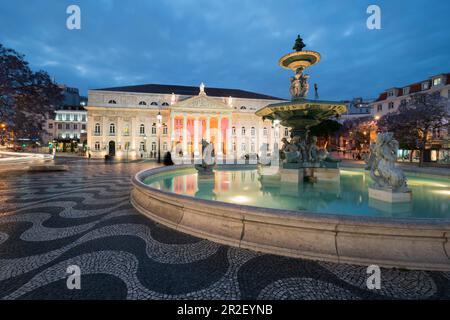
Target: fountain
(340,218)
(302,159)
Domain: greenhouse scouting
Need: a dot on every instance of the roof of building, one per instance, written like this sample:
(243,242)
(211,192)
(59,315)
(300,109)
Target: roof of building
(414,87)
(190,91)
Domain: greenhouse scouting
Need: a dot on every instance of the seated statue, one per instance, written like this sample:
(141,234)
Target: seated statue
(291,150)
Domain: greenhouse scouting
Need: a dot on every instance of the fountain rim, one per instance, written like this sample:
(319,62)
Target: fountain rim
(415,244)
(313,55)
(138,178)
(301,104)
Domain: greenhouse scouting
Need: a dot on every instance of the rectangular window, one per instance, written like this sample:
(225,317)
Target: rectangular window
(437,81)
(67,117)
(391,105)
(59,126)
(67,126)
(75,117)
(83,118)
(50,125)
(425,86)
(59,117)
(83,127)
(165,130)
(75,126)
(380,107)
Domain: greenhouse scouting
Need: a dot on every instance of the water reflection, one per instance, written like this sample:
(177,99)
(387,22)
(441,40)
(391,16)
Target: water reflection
(431,196)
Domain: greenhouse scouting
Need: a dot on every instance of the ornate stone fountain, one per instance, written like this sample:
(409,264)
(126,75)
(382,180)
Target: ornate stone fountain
(301,153)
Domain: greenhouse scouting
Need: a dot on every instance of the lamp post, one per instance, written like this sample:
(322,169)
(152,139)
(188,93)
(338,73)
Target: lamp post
(158,124)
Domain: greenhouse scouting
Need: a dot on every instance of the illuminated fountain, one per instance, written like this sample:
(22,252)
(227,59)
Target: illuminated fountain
(300,155)
(349,220)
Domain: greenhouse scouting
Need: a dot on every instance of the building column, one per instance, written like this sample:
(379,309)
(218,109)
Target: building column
(172,130)
(219,136)
(208,128)
(229,138)
(185,135)
(196,127)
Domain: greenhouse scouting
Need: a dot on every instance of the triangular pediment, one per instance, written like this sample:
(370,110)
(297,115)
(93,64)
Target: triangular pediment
(202,102)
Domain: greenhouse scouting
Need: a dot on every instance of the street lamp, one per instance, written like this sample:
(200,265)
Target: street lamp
(158,124)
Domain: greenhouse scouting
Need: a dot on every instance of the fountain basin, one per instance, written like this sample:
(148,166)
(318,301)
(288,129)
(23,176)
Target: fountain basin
(390,242)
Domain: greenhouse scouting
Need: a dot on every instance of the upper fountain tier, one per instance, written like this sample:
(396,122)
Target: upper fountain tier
(299,60)
(301,113)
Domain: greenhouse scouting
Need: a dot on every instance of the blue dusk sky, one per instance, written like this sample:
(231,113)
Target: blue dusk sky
(231,43)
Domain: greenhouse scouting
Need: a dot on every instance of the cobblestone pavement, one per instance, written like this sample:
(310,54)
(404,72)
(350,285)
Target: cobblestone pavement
(83,217)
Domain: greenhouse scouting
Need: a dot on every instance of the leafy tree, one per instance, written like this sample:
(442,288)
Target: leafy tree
(325,130)
(358,130)
(416,119)
(27,98)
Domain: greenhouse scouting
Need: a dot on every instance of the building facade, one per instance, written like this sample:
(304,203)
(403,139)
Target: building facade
(438,148)
(67,129)
(141,121)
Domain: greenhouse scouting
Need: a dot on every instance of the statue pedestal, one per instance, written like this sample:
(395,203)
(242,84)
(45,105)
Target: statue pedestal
(327,174)
(292,175)
(389,195)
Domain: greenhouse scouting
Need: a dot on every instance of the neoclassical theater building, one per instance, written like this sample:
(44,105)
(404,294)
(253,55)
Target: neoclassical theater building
(138,121)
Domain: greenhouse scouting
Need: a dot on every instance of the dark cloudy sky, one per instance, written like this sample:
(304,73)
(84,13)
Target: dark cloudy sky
(231,43)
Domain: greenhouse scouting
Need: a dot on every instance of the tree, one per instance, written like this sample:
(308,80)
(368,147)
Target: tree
(416,118)
(358,130)
(27,98)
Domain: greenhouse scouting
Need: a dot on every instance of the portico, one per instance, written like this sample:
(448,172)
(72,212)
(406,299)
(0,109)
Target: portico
(198,118)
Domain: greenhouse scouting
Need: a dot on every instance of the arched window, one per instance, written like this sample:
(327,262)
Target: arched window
(286,132)
(112,102)
(165,104)
(252,131)
(165,129)
(153,146)
(243,131)
(97,128)
(97,146)
(142,103)
(142,129)
(142,146)
(233,131)
(112,128)
(154,128)
(265,132)
(154,103)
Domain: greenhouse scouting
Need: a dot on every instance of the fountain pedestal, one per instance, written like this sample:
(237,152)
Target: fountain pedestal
(387,195)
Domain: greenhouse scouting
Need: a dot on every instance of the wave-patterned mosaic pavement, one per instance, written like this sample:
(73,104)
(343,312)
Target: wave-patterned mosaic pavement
(83,217)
